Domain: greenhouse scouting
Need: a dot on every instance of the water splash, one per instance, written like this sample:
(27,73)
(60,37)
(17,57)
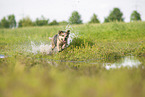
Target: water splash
(71,37)
(40,48)
(73,33)
(45,48)
(69,27)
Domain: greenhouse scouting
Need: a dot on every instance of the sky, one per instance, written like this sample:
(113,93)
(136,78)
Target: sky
(62,9)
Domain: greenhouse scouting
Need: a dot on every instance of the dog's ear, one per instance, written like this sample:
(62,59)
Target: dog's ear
(68,31)
(59,32)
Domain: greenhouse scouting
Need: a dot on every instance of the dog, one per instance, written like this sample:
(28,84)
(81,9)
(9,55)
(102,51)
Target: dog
(60,40)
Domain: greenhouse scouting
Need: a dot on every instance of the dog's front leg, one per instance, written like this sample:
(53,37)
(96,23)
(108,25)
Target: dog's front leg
(63,46)
(59,47)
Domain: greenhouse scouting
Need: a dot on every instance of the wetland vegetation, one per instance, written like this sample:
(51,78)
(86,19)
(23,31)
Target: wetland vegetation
(79,70)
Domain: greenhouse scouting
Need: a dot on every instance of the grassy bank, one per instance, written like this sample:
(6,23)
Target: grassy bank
(24,74)
(93,41)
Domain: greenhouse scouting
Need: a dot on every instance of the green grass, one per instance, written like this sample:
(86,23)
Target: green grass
(23,74)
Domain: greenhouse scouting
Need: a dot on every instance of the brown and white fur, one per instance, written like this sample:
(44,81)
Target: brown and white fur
(60,40)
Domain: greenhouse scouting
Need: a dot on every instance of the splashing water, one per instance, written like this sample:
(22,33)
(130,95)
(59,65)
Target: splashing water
(40,48)
(72,35)
(45,48)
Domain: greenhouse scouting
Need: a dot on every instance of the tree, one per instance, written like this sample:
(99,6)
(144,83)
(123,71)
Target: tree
(75,18)
(42,21)
(54,22)
(8,22)
(94,19)
(135,16)
(106,20)
(25,22)
(4,23)
(12,21)
(115,15)
(63,23)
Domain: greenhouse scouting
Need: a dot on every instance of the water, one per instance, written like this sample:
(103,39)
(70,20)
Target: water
(129,62)
(40,48)
(2,56)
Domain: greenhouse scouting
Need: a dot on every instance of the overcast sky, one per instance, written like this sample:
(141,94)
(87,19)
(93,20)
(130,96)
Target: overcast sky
(62,9)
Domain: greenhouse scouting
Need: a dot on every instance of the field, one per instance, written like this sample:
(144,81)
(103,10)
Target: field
(79,70)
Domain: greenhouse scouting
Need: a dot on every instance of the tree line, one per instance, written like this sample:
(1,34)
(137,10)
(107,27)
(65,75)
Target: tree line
(75,18)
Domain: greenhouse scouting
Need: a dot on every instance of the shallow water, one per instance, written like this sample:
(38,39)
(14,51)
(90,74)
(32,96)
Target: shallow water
(128,61)
(2,56)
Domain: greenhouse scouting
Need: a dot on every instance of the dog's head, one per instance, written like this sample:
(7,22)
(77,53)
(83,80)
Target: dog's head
(63,36)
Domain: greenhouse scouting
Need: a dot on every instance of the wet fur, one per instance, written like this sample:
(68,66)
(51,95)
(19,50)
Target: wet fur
(59,43)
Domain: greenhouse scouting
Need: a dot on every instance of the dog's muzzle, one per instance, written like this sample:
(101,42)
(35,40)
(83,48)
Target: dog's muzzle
(65,39)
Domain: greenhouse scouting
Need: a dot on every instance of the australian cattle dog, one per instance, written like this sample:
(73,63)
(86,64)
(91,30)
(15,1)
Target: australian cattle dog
(60,40)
